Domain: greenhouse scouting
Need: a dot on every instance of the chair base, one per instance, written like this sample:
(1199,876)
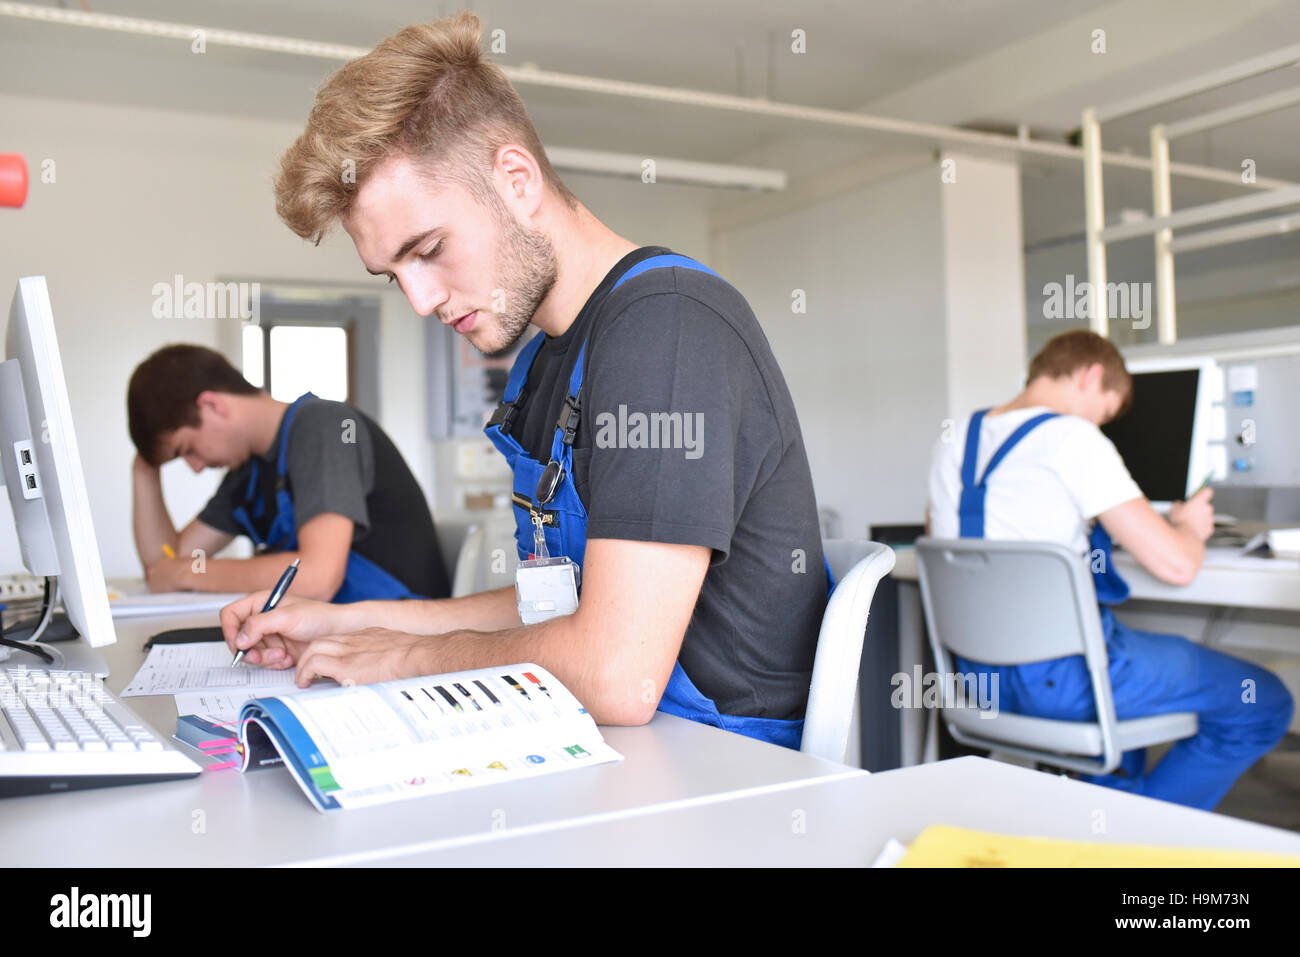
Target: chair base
(1041,739)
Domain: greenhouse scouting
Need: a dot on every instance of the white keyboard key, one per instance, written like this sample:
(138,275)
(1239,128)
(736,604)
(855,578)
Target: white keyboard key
(69,712)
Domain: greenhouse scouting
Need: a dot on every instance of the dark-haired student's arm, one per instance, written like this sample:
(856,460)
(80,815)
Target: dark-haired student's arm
(152,524)
(323,546)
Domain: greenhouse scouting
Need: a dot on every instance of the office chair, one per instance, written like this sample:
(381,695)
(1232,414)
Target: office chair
(858,566)
(487,556)
(1011,603)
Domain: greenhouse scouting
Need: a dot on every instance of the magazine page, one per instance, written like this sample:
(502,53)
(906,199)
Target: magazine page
(371,744)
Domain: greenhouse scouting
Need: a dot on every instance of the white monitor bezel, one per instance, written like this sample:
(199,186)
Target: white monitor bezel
(81,574)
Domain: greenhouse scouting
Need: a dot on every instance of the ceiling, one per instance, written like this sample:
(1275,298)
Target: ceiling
(984,62)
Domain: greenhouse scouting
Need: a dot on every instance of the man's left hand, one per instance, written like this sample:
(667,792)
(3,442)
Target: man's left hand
(169,574)
(365,657)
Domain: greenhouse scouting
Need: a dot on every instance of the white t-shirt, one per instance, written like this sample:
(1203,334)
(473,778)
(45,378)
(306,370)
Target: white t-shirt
(1048,488)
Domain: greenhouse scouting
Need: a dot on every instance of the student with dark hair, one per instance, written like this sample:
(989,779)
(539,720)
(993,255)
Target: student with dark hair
(1039,469)
(314,479)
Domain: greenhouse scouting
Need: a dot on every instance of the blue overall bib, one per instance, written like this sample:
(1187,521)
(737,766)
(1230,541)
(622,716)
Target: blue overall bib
(1149,673)
(564,517)
(362,580)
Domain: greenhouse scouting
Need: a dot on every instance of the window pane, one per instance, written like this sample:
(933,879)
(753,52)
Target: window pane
(309,359)
(253,355)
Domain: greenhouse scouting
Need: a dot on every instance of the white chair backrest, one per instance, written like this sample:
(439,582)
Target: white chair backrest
(469,562)
(487,557)
(858,566)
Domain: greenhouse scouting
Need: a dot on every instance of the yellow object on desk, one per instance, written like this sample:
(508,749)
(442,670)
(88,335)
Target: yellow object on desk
(945,846)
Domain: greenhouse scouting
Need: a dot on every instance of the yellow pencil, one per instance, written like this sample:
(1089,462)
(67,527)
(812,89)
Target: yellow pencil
(169,551)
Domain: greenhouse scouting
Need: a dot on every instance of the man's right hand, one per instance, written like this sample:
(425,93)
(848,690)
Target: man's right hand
(278,638)
(1196,514)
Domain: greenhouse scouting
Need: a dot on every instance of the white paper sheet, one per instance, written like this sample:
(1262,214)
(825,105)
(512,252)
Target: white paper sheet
(168,603)
(201,666)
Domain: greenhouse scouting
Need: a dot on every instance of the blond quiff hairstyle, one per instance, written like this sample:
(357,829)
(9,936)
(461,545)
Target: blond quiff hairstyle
(425,93)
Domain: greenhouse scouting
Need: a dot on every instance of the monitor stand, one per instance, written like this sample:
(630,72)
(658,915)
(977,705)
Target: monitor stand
(79,656)
(59,634)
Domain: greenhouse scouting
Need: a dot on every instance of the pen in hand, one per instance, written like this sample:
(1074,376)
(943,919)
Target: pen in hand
(277,593)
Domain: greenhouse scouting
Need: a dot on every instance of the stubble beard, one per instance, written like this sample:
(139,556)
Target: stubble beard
(528,269)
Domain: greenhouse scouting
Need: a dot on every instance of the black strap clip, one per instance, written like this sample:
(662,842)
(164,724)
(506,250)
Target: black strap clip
(506,413)
(569,418)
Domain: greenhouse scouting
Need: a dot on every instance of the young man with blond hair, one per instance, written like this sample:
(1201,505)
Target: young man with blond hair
(702,578)
(1039,469)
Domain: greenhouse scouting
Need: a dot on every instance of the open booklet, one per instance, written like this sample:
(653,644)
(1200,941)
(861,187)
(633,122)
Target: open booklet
(371,744)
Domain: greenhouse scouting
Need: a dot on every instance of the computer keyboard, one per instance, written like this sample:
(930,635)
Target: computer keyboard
(63,730)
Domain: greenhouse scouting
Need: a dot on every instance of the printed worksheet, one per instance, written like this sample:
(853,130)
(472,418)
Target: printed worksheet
(202,666)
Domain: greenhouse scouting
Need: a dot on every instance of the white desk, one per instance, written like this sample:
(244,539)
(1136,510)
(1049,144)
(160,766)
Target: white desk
(263,818)
(687,795)
(1225,578)
(844,822)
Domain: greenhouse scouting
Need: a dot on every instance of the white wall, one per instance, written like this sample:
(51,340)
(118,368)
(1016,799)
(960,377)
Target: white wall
(142,194)
(983,282)
(915,298)
(866,364)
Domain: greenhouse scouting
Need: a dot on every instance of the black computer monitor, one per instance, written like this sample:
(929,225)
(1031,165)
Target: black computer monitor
(1163,438)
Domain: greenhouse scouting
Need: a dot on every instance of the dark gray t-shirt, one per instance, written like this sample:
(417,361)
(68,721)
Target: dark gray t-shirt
(735,477)
(339,460)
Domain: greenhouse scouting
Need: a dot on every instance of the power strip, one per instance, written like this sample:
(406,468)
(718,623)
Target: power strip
(21,588)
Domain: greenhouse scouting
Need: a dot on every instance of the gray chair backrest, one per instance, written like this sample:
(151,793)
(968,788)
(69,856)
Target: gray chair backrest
(1006,603)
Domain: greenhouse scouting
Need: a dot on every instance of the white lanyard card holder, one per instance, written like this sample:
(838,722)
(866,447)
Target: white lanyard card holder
(546,588)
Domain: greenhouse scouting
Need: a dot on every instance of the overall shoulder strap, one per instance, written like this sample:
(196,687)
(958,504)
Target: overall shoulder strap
(505,413)
(971,455)
(1013,440)
(567,424)
(970,507)
(663,261)
(282,457)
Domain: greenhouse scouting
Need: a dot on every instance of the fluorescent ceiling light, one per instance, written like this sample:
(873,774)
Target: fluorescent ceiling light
(665,170)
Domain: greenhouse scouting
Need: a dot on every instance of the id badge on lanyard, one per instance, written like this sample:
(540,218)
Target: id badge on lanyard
(546,587)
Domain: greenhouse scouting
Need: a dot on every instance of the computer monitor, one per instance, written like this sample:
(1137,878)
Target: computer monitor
(42,472)
(1171,437)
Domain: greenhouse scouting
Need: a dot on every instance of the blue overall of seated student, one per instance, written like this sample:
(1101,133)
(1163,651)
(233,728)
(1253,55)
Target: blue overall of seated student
(648,426)
(312,479)
(1039,469)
